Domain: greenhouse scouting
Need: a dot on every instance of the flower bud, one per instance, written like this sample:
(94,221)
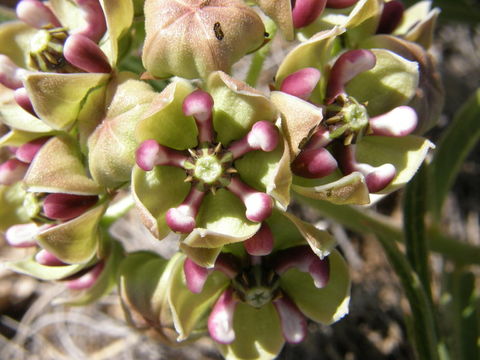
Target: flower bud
(305,12)
(193,39)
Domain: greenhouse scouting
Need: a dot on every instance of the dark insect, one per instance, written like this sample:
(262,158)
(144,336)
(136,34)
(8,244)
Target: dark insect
(217,29)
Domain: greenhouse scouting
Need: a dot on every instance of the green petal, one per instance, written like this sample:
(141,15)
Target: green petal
(65,174)
(391,83)
(325,305)
(224,213)
(112,145)
(203,256)
(257,334)
(119,17)
(320,241)
(268,171)
(315,52)
(74,241)
(143,284)
(236,107)
(15,39)
(350,189)
(165,122)
(32,268)
(405,153)
(188,308)
(11,206)
(102,286)
(15,117)
(299,117)
(58,98)
(169,189)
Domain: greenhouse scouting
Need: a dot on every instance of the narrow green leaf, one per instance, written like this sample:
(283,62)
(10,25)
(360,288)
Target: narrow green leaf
(452,150)
(414,227)
(424,325)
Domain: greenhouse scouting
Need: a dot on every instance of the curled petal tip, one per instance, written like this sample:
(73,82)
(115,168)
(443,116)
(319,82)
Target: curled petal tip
(46,258)
(293,322)
(182,218)
(195,276)
(87,280)
(305,12)
(314,163)
(345,68)
(36,14)
(12,171)
(379,178)
(400,121)
(95,23)
(301,83)
(85,54)
(60,206)
(199,104)
(150,153)
(259,206)
(261,243)
(263,136)
(220,321)
(22,235)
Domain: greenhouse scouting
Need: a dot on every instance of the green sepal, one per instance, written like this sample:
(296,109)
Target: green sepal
(119,18)
(188,308)
(74,241)
(31,267)
(15,39)
(11,210)
(258,334)
(237,107)
(112,145)
(102,286)
(166,182)
(58,98)
(143,285)
(280,11)
(203,256)
(349,189)
(406,153)
(164,120)
(66,173)
(325,305)
(391,83)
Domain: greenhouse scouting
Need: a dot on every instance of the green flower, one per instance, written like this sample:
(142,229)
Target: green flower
(215,161)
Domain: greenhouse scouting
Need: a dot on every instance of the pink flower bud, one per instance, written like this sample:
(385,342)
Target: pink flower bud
(259,205)
(199,104)
(12,171)
(261,243)
(304,259)
(392,14)
(22,235)
(314,163)
(220,321)
(301,83)
(36,14)
(305,12)
(27,151)
(95,25)
(182,218)
(195,276)
(85,54)
(11,75)
(87,280)
(293,322)
(64,207)
(347,66)
(400,121)
(45,258)
(21,98)
(150,153)
(340,4)
(263,136)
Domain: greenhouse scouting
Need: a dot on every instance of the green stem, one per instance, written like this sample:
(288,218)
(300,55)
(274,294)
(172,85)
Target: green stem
(363,221)
(117,210)
(259,57)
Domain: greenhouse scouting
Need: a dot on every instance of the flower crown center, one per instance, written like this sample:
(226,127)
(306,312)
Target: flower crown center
(46,49)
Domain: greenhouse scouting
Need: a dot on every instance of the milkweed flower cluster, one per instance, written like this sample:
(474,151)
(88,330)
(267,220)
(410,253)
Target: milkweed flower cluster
(98,116)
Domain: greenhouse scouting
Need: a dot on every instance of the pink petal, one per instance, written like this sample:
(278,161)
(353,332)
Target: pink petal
(36,14)
(305,12)
(392,15)
(182,218)
(195,276)
(60,206)
(87,280)
(46,258)
(150,153)
(12,171)
(220,321)
(96,25)
(301,83)
(85,54)
(199,104)
(259,205)
(263,136)
(314,163)
(400,121)
(27,151)
(261,243)
(293,322)
(11,75)
(340,4)
(22,235)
